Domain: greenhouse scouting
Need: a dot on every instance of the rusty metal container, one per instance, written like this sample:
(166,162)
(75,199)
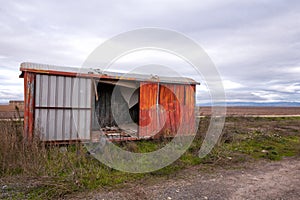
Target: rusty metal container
(61,102)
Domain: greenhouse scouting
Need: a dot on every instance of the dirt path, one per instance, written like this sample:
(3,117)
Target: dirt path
(262,180)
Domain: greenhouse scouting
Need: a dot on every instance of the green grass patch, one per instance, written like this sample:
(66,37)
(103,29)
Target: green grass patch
(270,147)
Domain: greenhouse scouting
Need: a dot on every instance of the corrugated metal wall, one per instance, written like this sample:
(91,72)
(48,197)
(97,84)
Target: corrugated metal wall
(178,102)
(63,107)
(177,115)
(148,110)
(168,98)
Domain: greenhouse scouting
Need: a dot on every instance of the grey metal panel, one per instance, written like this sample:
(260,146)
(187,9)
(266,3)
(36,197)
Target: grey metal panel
(44,90)
(75,92)
(52,91)
(82,124)
(59,124)
(88,123)
(88,93)
(51,122)
(60,91)
(75,123)
(43,124)
(67,128)
(68,91)
(53,94)
(82,92)
(37,88)
(37,118)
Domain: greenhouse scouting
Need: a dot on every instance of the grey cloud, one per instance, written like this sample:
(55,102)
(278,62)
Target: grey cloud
(253,43)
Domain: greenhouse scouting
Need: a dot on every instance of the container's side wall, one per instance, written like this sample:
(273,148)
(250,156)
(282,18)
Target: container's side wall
(63,107)
(29,104)
(148,109)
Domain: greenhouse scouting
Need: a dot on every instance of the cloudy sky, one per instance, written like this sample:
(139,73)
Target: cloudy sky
(254,44)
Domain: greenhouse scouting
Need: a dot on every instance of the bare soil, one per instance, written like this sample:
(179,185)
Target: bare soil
(259,180)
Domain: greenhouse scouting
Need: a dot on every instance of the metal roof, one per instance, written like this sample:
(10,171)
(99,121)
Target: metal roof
(98,73)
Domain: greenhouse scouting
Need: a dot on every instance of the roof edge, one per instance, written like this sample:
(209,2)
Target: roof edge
(98,73)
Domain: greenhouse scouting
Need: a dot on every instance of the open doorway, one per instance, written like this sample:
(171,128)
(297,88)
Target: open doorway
(116,108)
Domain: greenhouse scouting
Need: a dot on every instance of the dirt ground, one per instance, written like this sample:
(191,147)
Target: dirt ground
(259,180)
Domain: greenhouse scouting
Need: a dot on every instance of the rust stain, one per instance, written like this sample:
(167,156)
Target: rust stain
(177,113)
(148,112)
(29,104)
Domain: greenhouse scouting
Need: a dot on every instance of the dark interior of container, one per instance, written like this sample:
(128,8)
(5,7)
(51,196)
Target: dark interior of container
(111,108)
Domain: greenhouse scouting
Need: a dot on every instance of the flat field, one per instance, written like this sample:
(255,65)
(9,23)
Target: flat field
(254,111)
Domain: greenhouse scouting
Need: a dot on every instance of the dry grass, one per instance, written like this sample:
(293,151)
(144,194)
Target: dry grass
(34,170)
(45,165)
(34,157)
(17,155)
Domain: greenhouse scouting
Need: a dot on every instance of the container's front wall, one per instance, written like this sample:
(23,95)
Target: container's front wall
(148,110)
(62,107)
(175,113)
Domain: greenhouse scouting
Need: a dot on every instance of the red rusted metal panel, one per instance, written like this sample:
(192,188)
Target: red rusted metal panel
(177,114)
(171,104)
(148,112)
(178,102)
(189,109)
(29,104)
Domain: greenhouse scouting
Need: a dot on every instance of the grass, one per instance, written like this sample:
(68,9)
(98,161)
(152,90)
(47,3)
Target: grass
(35,171)
(270,147)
